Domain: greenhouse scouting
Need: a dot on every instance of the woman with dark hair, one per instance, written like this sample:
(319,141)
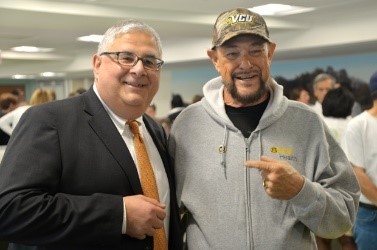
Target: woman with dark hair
(338,103)
(337,108)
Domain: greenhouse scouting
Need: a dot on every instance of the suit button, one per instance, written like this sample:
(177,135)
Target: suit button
(148,248)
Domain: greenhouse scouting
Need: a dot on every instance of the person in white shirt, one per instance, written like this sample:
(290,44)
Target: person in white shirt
(9,121)
(361,145)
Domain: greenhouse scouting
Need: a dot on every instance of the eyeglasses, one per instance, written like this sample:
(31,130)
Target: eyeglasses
(130,59)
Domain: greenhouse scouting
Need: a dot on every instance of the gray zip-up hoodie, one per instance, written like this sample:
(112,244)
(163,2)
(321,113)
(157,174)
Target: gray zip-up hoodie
(228,206)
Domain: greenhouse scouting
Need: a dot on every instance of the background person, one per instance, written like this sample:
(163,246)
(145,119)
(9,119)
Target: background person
(300,94)
(20,93)
(322,83)
(8,102)
(361,144)
(9,121)
(337,108)
(297,181)
(196,98)
(70,176)
(78,91)
(152,111)
(177,105)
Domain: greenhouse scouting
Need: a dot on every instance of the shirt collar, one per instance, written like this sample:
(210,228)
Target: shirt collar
(119,122)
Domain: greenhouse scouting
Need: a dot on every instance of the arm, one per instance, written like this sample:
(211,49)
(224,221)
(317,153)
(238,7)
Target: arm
(38,204)
(356,142)
(368,188)
(329,199)
(323,191)
(6,122)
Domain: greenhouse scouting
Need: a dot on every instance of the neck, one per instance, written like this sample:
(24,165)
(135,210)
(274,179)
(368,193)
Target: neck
(373,111)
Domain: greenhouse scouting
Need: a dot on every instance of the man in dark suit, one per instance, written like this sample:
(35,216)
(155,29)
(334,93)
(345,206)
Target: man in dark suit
(70,178)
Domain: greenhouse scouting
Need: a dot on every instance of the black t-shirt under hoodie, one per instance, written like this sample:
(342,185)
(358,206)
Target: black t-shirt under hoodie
(247,118)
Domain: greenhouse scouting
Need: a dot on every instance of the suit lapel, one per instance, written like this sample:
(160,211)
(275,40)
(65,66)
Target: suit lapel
(109,135)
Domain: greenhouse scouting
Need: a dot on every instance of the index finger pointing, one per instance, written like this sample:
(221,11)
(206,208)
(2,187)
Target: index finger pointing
(260,165)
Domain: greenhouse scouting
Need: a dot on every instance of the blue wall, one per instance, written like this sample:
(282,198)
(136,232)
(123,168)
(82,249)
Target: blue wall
(188,83)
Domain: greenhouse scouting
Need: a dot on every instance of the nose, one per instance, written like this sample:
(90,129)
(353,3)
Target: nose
(138,68)
(139,61)
(245,61)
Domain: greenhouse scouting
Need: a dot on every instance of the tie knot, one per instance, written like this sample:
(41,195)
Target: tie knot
(134,127)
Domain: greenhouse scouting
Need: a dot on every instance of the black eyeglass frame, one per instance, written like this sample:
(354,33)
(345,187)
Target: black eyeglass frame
(142,59)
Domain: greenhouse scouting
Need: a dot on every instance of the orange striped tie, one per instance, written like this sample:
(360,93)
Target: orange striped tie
(148,180)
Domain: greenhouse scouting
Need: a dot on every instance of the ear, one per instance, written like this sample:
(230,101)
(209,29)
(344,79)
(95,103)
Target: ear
(212,54)
(271,50)
(96,63)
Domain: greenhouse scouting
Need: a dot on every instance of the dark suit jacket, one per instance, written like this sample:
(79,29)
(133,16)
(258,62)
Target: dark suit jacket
(63,177)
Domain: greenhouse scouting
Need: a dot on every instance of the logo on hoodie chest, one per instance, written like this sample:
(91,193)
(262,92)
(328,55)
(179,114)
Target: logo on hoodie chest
(284,153)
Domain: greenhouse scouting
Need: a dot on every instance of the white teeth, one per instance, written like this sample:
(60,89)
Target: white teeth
(135,85)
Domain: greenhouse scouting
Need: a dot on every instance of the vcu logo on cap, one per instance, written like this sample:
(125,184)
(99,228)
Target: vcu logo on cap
(239,18)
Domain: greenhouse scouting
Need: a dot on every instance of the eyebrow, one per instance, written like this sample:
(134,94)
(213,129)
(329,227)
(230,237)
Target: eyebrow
(256,41)
(233,45)
(148,54)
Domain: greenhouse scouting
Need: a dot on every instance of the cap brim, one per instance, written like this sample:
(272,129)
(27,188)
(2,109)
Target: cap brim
(231,35)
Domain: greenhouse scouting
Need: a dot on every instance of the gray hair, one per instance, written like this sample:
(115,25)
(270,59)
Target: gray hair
(125,27)
(322,77)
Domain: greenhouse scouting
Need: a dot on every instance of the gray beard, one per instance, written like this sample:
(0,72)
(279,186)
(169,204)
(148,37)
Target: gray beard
(247,99)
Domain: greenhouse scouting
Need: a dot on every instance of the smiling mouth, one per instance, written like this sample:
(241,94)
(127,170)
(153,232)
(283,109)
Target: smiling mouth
(243,77)
(246,75)
(138,85)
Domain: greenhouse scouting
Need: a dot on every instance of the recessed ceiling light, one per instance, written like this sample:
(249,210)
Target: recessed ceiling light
(279,9)
(31,49)
(91,38)
(22,76)
(52,74)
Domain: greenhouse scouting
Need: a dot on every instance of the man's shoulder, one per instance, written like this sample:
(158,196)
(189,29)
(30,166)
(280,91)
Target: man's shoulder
(358,120)
(301,107)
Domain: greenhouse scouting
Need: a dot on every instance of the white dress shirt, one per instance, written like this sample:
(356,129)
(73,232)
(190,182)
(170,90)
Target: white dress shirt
(154,156)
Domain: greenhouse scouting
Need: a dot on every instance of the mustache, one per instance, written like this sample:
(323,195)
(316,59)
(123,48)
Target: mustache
(246,74)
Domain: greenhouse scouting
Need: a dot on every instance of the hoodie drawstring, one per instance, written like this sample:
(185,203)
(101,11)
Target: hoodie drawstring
(222,150)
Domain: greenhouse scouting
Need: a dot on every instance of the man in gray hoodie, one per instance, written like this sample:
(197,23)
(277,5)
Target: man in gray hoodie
(255,170)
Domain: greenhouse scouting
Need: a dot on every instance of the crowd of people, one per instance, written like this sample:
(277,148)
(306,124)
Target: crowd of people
(13,104)
(254,170)
(341,107)
(9,120)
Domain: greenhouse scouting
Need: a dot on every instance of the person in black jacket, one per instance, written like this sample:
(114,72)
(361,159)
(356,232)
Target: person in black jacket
(70,179)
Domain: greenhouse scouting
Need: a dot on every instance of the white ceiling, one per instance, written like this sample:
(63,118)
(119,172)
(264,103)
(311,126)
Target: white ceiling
(335,27)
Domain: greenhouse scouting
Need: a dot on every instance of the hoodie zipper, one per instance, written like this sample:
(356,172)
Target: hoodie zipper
(249,236)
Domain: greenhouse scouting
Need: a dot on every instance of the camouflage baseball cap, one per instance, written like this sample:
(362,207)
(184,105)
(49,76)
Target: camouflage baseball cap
(238,21)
